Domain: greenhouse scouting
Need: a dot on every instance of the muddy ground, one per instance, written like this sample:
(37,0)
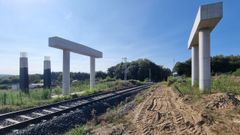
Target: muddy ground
(164,111)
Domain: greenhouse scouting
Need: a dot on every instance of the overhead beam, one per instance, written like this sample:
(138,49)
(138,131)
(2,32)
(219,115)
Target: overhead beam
(207,17)
(71,46)
(67,47)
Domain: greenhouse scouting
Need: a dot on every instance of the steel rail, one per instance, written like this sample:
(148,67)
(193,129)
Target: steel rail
(83,101)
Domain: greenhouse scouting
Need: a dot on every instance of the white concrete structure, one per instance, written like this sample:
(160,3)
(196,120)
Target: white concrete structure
(195,65)
(92,72)
(207,18)
(67,47)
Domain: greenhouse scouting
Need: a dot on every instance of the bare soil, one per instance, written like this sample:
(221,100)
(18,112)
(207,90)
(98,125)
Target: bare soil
(163,111)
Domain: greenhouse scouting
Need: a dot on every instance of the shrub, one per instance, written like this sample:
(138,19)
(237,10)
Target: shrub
(237,72)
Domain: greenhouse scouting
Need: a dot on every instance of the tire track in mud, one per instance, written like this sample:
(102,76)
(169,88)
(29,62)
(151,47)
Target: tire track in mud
(162,113)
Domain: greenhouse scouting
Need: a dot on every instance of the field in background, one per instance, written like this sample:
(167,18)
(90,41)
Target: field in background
(220,83)
(14,100)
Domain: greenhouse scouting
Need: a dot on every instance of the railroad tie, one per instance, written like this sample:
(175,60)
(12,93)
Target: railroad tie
(64,107)
(39,114)
(57,109)
(26,117)
(12,121)
(48,111)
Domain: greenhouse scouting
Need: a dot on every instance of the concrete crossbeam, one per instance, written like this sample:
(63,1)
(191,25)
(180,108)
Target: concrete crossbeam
(207,18)
(67,47)
(61,43)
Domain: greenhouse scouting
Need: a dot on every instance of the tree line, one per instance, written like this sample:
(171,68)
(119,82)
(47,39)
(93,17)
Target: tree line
(219,64)
(142,69)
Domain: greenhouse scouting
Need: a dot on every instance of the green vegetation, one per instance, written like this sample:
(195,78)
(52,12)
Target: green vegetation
(219,64)
(226,83)
(14,100)
(139,70)
(79,130)
(237,72)
(220,83)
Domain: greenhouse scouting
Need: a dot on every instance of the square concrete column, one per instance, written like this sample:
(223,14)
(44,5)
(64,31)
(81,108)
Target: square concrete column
(23,76)
(47,73)
(204,60)
(195,65)
(66,72)
(92,72)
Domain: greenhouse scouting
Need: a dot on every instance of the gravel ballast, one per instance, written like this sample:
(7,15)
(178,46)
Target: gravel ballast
(61,124)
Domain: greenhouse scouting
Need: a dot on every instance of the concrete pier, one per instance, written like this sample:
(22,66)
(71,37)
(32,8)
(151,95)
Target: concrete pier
(23,77)
(92,72)
(195,65)
(47,73)
(67,47)
(204,60)
(207,18)
(66,72)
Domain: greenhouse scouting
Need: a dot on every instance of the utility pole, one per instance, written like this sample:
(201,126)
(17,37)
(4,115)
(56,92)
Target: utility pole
(125,67)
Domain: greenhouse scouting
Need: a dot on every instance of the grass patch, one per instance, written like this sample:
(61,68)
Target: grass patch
(226,83)
(221,83)
(79,130)
(11,100)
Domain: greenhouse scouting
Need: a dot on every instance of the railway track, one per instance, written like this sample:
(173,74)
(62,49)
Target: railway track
(23,118)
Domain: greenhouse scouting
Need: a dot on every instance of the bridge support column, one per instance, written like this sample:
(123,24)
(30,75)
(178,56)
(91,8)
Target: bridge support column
(92,72)
(195,65)
(47,72)
(204,60)
(66,72)
(23,77)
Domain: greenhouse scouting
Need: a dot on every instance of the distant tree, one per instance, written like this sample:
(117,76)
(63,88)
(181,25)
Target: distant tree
(56,78)
(101,75)
(35,78)
(219,64)
(139,70)
(79,76)
(183,68)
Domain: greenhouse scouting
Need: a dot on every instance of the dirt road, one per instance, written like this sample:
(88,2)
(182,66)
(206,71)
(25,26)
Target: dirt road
(164,113)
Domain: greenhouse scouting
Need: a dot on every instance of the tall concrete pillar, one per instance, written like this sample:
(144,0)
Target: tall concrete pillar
(92,72)
(23,77)
(47,73)
(195,65)
(66,72)
(204,60)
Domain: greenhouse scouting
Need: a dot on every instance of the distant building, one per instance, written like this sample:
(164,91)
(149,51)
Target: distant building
(15,86)
(35,85)
(175,74)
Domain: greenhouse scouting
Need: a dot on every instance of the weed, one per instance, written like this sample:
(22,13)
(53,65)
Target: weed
(14,100)
(79,130)
(221,83)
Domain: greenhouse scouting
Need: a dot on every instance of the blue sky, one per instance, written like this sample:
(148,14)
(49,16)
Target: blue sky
(153,29)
